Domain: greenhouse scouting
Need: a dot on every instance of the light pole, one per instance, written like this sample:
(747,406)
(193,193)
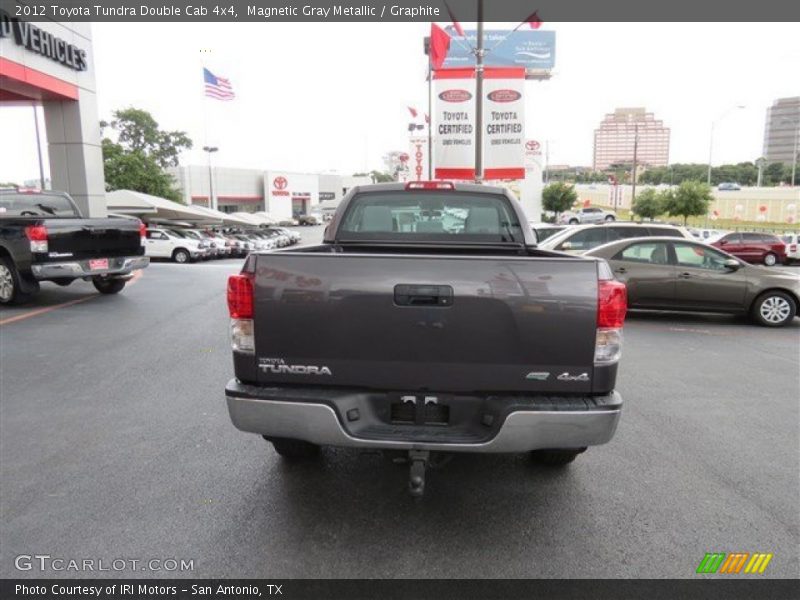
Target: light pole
(794,151)
(210,150)
(711,137)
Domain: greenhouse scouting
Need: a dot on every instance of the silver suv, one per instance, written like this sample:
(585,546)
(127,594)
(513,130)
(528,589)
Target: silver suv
(588,214)
(582,238)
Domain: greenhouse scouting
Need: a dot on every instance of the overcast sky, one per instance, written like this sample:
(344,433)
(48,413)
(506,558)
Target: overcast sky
(320,97)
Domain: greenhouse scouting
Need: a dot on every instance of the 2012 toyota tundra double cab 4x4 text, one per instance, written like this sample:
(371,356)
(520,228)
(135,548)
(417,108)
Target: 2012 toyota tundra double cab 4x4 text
(44,237)
(426,321)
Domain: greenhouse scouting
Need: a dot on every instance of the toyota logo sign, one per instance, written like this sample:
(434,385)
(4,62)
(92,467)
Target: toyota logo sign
(280,182)
(532,145)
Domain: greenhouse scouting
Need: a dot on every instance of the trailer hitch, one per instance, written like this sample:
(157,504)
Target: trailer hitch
(416,475)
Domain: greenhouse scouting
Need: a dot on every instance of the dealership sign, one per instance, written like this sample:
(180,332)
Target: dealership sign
(503,124)
(42,42)
(531,49)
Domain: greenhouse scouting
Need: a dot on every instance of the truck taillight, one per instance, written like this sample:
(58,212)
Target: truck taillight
(612,304)
(142,234)
(37,235)
(240,308)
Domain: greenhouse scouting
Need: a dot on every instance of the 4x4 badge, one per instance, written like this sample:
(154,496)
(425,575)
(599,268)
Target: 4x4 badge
(538,375)
(567,377)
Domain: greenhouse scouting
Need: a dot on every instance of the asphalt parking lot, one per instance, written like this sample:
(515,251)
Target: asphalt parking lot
(115,442)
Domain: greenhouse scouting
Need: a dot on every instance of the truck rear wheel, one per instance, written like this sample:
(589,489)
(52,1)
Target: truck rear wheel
(10,288)
(556,458)
(108,286)
(294,449)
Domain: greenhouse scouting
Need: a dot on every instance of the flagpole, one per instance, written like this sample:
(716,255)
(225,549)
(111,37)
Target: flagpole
(479,98)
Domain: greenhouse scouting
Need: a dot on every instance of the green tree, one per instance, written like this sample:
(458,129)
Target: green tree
(692,198)
(142,151)
(649,204)
(558,197)
(775,173)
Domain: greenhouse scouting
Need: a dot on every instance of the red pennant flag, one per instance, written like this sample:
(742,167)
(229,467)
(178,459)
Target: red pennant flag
(534,21)
(440,44)
(413,111)
(456,24)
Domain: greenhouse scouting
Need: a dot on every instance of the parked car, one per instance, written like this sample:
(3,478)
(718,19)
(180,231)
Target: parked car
(545,230)
(281,239)
(223,244)
(261,240)
(44,237)
(587,214)
(729,186)
(765,248)
(463,337)
(665,273)
(580,238)
(210,246)
(706,235)
(792,242)
(239,248)
(309,220)
(169,243)
(293,235)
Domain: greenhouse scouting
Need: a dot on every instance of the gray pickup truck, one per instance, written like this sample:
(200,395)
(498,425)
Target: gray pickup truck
(426,321)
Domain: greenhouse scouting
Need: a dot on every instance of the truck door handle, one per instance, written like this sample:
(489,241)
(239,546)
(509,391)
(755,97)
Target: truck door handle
(621,270)
(423,295)
(684,275)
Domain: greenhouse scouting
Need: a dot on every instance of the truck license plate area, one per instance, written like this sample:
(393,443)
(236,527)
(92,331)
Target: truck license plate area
(419,410)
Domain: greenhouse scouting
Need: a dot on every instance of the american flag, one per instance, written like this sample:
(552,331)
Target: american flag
(217,87)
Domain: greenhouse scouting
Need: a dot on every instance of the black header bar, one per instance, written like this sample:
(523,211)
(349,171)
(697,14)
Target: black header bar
(404,10)
(733,588)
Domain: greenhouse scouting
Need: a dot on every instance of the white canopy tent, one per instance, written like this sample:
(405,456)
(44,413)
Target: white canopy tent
(146,207)
(248,218)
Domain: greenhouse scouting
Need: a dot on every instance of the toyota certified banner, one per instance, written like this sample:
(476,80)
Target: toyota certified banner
(503,124)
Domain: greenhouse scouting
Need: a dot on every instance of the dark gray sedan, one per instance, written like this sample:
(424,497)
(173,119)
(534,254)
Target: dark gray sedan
(665,273)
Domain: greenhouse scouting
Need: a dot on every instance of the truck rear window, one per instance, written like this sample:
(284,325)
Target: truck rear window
(36,205)
(430,216)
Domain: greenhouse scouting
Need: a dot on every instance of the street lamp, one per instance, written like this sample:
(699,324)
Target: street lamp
(210,150)
(796,138)
(711,137)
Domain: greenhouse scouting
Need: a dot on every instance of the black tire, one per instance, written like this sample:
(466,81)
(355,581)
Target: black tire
(108,286)
(610,218)
(573,221)
(294,449)
(181,256)
(10,287)
(774,308)
(770,259)
(556,458)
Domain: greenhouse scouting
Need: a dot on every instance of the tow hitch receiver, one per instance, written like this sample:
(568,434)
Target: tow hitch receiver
(416,475)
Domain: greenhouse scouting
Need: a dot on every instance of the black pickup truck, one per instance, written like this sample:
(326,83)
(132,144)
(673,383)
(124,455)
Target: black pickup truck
(426,321)
(43,237)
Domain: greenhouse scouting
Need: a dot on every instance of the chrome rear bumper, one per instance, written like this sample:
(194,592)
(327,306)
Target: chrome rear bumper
(520,431)
(119,266)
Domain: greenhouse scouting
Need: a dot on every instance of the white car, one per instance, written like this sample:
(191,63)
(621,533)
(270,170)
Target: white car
(587,214)
(166,243)
(294,236)
(581,238)
(792,241)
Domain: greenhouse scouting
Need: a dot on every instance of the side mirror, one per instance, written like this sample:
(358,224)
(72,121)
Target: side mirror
(566,245)
(723,242)
(732,264)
